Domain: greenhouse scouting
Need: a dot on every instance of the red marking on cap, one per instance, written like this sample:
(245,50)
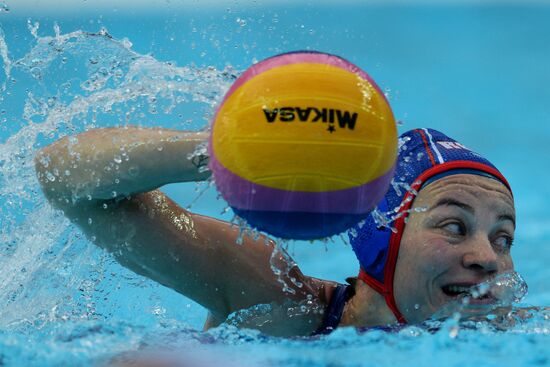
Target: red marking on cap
(427,146)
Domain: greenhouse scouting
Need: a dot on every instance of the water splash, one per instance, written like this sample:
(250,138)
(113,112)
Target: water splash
(503,291)
(282,264)
(402,143)
(255,317)
(199,156)
(50,272)
(274,319)
(507,288)
(201,188)
(386,219)
(4,54)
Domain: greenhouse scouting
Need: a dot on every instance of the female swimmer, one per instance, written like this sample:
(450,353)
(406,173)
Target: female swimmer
(455,227)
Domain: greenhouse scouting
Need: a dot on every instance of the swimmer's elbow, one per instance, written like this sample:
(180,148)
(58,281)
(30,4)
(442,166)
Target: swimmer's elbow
(44,179)
(48,163)
(42,160)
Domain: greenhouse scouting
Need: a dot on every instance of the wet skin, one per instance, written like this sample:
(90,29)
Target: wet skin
(463,238)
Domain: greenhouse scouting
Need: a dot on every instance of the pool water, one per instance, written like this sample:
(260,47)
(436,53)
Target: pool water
(476,71)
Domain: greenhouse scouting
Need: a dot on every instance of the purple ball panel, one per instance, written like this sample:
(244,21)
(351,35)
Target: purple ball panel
(245,195)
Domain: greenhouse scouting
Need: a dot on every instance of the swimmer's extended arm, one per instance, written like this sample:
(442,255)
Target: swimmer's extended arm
(148,233)
(117,162)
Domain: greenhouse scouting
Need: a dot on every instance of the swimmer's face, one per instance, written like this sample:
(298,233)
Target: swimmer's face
(463,238)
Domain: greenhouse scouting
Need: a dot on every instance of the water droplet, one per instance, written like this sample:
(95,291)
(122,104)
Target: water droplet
(240,237)
(416,306)
(117,159)
(105,206)
(50,177)
(36,73)
(90,221)
(453,332)
(126,43)
(45,161)
(33,28)
(133,171)
(56,30)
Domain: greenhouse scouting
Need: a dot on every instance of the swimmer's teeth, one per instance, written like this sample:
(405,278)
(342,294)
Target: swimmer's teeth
(456,290)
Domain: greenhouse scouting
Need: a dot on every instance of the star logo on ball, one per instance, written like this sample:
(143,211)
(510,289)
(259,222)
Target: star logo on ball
(331,129)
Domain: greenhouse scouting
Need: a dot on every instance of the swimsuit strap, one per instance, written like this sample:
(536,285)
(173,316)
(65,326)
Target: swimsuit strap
(335,309)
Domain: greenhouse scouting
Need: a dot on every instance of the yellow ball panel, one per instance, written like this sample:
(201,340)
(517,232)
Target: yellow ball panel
(340,161)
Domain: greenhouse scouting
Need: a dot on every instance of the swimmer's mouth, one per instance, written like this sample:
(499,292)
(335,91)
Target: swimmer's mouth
(459,291)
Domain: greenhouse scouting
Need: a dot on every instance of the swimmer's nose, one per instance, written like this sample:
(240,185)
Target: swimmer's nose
(481,257)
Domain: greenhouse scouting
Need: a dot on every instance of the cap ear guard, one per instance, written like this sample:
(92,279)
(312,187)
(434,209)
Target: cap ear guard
(373,256)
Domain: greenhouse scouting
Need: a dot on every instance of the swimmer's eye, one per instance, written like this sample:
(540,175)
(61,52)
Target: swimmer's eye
(503,242)
(454,228)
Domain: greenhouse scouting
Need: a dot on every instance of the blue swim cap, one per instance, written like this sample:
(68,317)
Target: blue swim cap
(425,155)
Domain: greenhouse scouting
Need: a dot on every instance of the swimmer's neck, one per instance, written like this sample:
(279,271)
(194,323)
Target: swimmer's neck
(367,308)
